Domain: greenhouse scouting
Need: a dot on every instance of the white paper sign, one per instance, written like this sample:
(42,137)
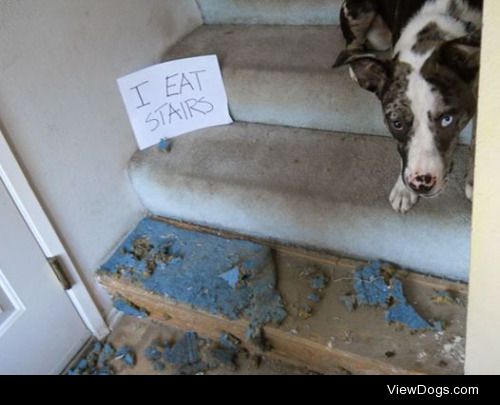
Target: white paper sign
(173,98)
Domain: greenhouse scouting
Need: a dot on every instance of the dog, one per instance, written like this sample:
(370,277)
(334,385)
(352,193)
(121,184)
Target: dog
(421,59)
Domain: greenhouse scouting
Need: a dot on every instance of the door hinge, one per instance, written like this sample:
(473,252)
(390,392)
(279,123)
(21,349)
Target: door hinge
(60,272)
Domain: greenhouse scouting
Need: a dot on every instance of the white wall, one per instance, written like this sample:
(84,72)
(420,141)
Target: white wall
(61,111)
(483,320)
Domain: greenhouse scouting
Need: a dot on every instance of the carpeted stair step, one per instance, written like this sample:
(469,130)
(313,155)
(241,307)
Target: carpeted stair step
(314,188)
(282,75)
(278,12)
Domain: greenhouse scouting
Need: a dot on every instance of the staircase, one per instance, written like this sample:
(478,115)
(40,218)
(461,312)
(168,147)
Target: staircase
(309,160)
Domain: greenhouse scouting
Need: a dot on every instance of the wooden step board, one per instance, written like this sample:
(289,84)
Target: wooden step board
(332,338)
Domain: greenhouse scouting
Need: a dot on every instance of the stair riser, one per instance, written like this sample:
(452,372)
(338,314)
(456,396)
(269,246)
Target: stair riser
(295,99)
(323,100)
(272,216)
(275,12)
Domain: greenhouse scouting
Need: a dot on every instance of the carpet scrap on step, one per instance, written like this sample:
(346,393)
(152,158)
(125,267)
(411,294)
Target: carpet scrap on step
(373,289)
(230,277)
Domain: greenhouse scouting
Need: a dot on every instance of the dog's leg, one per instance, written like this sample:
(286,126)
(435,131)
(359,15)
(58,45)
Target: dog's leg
(379,36)
(356,19)
(402,199)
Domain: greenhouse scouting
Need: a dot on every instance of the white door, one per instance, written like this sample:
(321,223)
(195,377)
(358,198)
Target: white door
(40,331)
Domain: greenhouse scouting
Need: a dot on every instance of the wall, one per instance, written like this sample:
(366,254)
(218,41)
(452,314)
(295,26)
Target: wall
(483,323)
(61,111)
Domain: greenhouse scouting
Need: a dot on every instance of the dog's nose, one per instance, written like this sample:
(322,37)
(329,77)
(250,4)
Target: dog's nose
(422,183)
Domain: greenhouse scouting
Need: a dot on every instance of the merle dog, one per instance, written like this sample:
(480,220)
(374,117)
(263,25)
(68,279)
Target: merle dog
(426,81)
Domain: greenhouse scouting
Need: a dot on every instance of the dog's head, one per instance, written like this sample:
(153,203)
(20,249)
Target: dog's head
(425,108)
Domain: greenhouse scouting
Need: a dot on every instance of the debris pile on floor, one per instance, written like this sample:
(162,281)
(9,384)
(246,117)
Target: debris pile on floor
(127,356)
(234,278)
(154,353)
(185,355)
(374,288)
(190,355)
(227,350)
(193,355)
(98,360)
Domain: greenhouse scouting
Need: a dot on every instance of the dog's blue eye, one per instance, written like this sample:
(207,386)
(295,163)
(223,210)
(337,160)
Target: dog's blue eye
(446,121)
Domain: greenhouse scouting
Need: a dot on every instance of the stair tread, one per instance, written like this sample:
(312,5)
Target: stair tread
(282,75)
(266,47)
(292,12)
(323,189)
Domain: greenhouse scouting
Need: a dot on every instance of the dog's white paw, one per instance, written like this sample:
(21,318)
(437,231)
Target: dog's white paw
(469,191)
(402,200)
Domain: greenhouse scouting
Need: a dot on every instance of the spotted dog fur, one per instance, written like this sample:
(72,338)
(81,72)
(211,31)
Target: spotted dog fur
(421,59)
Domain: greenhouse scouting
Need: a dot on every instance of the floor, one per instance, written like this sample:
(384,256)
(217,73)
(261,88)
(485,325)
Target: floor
(138,335)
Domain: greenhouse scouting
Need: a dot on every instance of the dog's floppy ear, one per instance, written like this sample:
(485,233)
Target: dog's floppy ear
(371,72)
(462,55)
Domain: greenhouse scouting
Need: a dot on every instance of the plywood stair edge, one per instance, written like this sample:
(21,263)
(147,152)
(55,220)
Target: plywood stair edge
(292,348)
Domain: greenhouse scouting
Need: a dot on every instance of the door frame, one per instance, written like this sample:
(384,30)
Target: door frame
(38,222)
